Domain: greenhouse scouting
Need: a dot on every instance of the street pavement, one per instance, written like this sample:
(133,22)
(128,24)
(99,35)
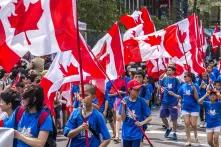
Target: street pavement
(155,132)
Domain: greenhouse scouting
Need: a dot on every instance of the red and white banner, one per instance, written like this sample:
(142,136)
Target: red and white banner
(64,70)
(109,53)
(7,137)
(38,26)
(215,39)
(160,44)
(139,17)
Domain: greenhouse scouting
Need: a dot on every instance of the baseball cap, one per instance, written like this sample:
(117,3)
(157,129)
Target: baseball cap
(134,84)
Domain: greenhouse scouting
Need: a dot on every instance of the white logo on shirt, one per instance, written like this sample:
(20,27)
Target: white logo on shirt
(25,131)
(212,112)
(131,115)
(169,86)
(187,92)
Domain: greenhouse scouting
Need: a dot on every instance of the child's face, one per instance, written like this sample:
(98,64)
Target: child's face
(213,97)
(4,106)
(217,86)
(138,78)
(88,97)
(134,92)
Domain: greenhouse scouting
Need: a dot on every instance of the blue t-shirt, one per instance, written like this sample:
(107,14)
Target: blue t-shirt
(151,88)
(202,91)
(169,84)
(28,125)
(75,89)
(219,78)
(129,130)
(110,99)
(144,93)
(213,113)
(189,103)
(77,103)
(212,77)
(95,121)
(216,72)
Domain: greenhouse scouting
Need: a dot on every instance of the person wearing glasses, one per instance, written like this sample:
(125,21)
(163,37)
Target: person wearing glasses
(169,86)
(188,93)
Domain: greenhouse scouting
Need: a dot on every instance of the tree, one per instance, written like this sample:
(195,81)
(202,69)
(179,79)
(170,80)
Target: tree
(98,14)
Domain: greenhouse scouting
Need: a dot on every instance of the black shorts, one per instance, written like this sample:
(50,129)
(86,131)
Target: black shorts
(58,112)
(110,115)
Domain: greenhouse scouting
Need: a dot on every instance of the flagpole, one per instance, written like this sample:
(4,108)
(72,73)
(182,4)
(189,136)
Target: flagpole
(179,35)
(104,72)
(81,72)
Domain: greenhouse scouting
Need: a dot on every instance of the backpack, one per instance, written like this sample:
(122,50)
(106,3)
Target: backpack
(51,140)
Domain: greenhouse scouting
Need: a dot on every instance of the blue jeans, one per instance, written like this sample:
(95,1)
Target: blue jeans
(131,143)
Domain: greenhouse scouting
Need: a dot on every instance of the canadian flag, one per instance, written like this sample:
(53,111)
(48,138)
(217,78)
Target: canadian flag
(63,70)
(38,26)
(133,32)
(203,39)
(215,39)
(109,53)
(139,23)
(156,67)
(139,17)
(153,46)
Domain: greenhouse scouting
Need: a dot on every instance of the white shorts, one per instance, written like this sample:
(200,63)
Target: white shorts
(215,129)
(183,113)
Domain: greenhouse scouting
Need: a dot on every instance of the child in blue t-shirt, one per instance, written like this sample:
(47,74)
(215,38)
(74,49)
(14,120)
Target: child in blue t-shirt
(28,131)
(87,125)
(9,101)
(135,113)
(213,116)
(169,86)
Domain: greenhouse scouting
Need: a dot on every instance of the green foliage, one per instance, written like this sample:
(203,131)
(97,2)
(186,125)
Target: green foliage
(160,24)
(98,14)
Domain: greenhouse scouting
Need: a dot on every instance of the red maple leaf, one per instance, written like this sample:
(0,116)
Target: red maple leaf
(134,33)
(104,60)
(181,36)
(153,40)
(71,70)
(26,20)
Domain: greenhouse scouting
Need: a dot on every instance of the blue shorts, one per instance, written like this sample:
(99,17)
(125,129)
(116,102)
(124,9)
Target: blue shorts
(131,143)
(166,111)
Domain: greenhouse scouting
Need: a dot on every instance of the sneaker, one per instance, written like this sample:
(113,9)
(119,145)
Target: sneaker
(202,124)
(173,136)
(167,133)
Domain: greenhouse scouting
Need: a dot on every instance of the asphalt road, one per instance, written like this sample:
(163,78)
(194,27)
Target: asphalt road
(155,133)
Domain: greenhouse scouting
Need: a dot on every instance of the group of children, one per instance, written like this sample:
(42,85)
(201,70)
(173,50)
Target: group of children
(127,105)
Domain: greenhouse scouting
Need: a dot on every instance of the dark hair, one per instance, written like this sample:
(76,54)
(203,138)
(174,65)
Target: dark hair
(32,77)
(2,73)
(139,73)
(191,75)
(216,82)
(35,95)
(11,96)
(20,84)
(172,67)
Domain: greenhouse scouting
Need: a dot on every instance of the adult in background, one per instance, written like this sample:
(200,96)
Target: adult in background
(188,92)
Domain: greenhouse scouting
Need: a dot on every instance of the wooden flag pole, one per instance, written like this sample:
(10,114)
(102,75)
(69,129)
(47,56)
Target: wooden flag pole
(179,35)
(81,72)
(104,72)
